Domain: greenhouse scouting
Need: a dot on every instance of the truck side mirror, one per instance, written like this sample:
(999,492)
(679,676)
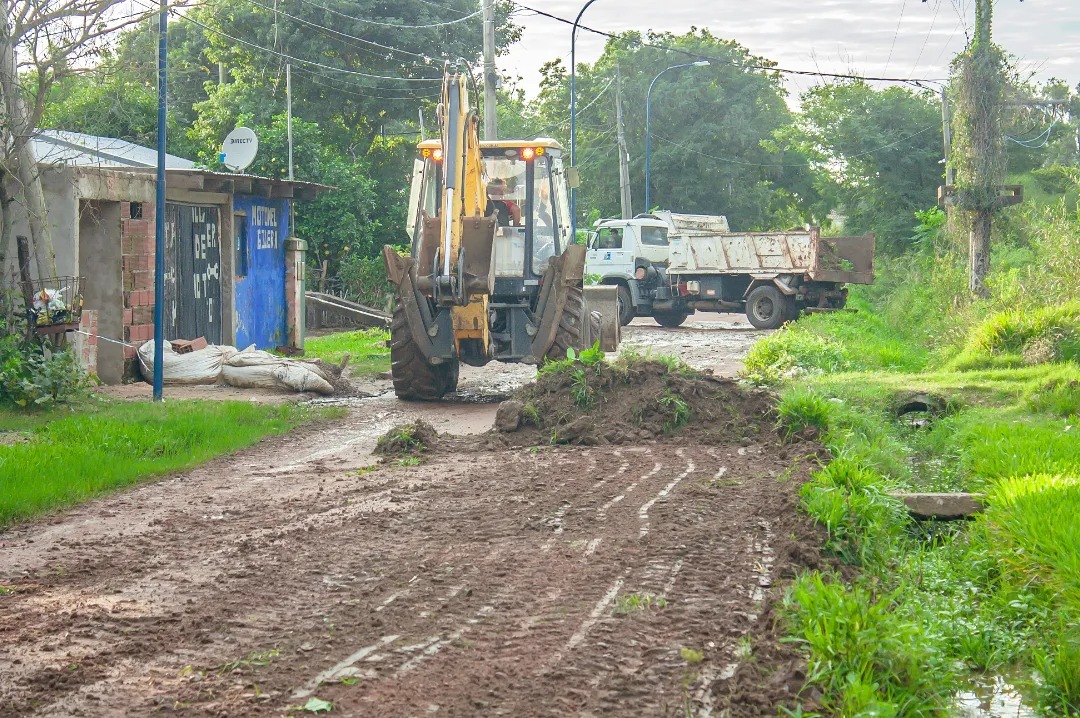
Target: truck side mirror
(591,242)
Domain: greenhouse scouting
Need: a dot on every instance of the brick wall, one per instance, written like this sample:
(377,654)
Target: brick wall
(137,247)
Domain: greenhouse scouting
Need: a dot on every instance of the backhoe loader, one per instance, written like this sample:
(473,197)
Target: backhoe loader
(493,272)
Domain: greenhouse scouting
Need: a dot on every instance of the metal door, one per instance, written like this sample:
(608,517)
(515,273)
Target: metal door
(192,272)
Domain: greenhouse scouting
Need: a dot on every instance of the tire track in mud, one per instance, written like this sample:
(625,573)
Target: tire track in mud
(477,582)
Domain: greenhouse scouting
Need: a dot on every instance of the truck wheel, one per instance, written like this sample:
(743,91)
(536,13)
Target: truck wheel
(415,379)
(571,326)
(626,306)
(768,308)
(673,318)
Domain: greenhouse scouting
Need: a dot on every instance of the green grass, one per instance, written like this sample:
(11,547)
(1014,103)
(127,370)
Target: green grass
(367,350)
(999,594)
(73,456)
(856,340)
(1023,337)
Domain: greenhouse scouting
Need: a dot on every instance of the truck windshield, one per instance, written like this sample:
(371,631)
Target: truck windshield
(654,236)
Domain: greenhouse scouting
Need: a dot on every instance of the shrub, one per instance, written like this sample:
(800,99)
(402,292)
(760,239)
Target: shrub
(30,376)
(1023,337)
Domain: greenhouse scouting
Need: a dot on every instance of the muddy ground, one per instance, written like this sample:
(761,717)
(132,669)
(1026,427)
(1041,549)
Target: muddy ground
(484,581)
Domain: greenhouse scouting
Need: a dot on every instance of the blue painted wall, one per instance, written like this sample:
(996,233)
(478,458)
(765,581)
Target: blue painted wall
(260,295)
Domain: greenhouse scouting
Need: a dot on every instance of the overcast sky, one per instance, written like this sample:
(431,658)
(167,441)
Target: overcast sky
(825,35)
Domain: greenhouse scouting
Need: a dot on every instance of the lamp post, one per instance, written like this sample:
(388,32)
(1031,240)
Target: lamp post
(573,120)
(648,134)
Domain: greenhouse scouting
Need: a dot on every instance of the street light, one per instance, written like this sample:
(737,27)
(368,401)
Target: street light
(648,135)
(573,120)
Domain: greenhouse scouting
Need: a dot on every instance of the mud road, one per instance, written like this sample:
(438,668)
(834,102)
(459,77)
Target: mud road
(543,581)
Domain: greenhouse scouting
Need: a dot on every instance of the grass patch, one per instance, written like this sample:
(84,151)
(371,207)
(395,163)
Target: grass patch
(1023,337)
(366,348)
(75,456)
(833,342)
(932,601)
(631,602)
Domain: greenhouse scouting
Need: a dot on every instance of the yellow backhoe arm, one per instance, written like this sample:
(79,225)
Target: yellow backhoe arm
(462,224)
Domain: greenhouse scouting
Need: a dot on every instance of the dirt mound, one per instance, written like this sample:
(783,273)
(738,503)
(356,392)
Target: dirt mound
(630,401)
(407,439)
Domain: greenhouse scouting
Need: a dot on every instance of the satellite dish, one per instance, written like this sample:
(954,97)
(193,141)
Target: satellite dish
(239,149)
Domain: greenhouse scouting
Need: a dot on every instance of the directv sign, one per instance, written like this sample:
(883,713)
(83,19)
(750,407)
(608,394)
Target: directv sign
(239,149)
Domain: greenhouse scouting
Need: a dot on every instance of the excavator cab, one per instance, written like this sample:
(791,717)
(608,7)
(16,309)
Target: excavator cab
(526,195)
(492,273)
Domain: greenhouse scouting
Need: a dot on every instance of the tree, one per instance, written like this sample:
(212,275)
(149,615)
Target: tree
(876,153)
(712,129)
(41,42)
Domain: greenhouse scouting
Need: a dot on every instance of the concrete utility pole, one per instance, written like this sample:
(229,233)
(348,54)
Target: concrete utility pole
(624,154)
(983,123)
(946,129)
(491,78)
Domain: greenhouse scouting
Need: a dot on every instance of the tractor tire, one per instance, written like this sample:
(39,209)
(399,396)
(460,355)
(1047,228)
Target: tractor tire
(626,306)
(768,308)
(415,379)
(571,331)
(670,319)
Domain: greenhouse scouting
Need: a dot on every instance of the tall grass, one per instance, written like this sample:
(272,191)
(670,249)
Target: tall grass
(834,342)
(75,457)
(367,350)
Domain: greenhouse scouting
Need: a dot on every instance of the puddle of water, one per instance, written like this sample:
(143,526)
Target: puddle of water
(991,697)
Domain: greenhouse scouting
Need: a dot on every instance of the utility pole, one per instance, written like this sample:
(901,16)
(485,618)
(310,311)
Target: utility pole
(491,78)
(946,131)
(288,114)
(624,155)
(984,124)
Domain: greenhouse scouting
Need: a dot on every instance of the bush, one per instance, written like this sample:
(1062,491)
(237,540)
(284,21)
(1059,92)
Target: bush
(1023,337)
(30,377)
(363,280)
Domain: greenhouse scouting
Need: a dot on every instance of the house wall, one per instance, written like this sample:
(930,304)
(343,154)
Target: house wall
(100,254)
(262,226)
(58,185)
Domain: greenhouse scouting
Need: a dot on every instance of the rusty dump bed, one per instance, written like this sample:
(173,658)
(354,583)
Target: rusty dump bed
(823,259)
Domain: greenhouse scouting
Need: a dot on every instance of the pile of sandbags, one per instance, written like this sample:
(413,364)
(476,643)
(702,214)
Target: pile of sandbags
(250,368)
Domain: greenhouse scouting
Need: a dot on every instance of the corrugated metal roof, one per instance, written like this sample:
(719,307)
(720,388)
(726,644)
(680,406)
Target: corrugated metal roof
(58,147)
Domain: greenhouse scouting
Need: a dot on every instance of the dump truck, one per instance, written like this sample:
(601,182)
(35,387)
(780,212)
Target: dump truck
(668,266)
(491,273)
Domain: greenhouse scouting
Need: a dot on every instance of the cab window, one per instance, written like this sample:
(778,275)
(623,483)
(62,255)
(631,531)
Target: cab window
(654,236)
(609,238)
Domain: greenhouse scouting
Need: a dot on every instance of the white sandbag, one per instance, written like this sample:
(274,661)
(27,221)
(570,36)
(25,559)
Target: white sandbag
(197,367)
(252,368)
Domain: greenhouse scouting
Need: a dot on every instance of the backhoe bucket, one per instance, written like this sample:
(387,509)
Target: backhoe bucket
(478,246)
(604,300)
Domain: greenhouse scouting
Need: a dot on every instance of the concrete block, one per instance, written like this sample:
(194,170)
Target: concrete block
(941,506)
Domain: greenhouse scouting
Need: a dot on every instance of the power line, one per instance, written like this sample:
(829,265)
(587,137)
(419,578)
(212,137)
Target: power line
(317,76)
(301,61)
(393,24)
(340,34)
(933,22)
(801,164)
(896,34)
(751,66)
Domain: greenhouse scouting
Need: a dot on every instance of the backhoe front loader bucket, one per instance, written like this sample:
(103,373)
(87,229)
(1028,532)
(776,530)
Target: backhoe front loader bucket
(560,312)
(604,300)
(478,246)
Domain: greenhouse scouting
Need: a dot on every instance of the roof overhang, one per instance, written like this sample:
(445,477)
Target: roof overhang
(199,180)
